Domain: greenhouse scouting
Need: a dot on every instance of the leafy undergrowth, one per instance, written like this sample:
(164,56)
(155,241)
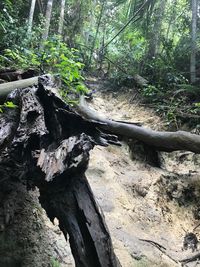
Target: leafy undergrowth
(177,102)
(53,57)
(179,106)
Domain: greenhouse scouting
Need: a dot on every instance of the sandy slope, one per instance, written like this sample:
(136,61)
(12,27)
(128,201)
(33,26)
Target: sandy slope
(142,202)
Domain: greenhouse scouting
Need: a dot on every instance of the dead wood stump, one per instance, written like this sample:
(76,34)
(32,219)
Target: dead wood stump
(45,144)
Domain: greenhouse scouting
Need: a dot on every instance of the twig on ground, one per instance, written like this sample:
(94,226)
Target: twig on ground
(190,259)
(160,247)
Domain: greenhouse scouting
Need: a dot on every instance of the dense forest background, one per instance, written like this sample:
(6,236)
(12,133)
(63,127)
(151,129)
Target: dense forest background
(135,55)
(117,40)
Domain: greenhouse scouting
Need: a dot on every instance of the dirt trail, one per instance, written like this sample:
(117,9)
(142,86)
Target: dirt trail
(148,210)
(140,201)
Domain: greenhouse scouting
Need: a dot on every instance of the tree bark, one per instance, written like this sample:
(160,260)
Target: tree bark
(154,35)
(96,33)
(41,6)
(30,19)
(47,20)
(61,20)
(44,143)
(6,88)
(193,42)
(80,217)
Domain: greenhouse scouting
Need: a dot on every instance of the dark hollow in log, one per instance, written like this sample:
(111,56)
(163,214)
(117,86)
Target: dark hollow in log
(44,143)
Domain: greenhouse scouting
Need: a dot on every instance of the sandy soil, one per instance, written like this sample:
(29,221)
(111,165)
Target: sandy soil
(140,201)
(148,210)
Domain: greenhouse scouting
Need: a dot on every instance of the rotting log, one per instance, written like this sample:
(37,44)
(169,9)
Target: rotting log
(44,143)
(160,140)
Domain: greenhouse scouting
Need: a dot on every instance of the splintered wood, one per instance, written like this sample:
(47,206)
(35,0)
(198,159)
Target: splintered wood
(44,143)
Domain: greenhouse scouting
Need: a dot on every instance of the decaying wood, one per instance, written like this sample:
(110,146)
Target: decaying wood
(10,75)
(44,143)
(81,217)
(160,140)
(140,80)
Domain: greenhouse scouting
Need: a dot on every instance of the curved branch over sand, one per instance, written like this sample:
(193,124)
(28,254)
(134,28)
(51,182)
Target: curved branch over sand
(161,140)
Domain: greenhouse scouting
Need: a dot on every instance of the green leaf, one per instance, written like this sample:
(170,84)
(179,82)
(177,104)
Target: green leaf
(10,104)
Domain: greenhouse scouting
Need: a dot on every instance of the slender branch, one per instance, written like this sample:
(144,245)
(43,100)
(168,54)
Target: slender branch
(128,22)
(160,247)
(192,258)
(97,31)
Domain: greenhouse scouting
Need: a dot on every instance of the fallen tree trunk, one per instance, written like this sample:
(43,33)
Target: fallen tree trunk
(44,143)
(160,140)
(140,80)
(6,88)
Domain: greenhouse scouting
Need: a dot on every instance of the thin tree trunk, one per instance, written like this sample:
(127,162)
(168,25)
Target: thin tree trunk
(47,20)
(41,6)
(97,31)
(30,19)
(61,20)
(133,19)
(193,42)
(172,18)
(154,36)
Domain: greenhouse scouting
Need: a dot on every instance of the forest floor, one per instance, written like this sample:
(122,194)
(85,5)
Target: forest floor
(159,205)
(148,210)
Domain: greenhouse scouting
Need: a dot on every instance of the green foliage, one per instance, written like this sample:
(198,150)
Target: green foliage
(54,263)
(195,109)
(53,57)
(8,104)
(18,58)
(13,25)
(58,59)
(150,91)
